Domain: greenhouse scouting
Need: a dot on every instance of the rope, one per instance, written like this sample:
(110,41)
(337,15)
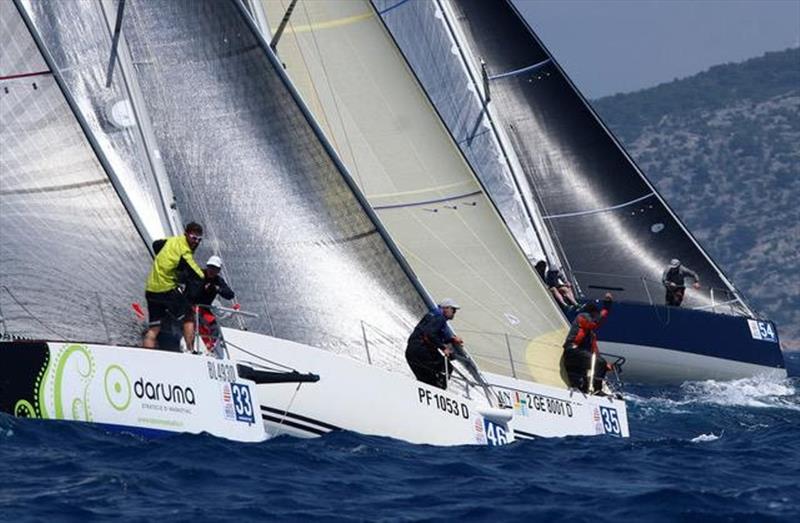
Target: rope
(286,410)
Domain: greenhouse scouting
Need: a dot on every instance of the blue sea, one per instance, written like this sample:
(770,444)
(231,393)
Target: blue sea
(704,451)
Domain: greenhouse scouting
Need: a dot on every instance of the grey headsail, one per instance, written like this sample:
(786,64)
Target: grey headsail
(244,160)
(71,260)
(611,228)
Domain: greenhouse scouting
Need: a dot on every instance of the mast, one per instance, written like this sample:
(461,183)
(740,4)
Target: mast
(510,157)
(168,211)
(101,157)
(630,160)
(336,160)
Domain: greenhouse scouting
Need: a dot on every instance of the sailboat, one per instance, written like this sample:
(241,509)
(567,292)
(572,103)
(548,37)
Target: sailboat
(387,133)
(591,211)
(72,262)
(325,286)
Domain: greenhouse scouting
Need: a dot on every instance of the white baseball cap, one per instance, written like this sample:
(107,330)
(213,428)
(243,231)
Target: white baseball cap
(674,262)
(449,302)
(214,261)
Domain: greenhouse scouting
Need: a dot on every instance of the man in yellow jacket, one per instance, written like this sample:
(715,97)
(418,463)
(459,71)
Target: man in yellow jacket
(164,299)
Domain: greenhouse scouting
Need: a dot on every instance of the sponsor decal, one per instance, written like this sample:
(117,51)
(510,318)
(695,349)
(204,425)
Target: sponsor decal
(598,424)
(117,387)
(165,392)
(525,404)
(227,402)
(480,433)
(762,330)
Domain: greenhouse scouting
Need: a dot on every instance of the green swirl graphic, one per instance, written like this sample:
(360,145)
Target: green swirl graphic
(120,382)
(77,404)
(24,409)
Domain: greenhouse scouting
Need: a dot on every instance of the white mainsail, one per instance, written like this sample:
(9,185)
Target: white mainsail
(389,135)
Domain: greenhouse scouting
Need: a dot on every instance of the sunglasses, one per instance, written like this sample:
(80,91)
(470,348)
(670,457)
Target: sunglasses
(195,237)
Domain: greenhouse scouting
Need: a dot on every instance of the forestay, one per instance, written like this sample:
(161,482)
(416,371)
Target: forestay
(72,262)
(353,77)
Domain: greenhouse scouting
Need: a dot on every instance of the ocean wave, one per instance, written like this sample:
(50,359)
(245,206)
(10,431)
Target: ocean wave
(759,392)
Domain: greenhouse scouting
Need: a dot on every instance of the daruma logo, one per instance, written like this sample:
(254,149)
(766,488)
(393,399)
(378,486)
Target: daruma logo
(117,387)
(163,392)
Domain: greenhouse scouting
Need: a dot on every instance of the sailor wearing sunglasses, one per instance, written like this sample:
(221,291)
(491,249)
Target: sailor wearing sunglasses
(165,301)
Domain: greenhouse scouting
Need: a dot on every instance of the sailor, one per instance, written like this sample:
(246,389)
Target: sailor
(581,343)
(165,299)
(541,268)
(431,336)
(203,293)
(562,291)
(674,280)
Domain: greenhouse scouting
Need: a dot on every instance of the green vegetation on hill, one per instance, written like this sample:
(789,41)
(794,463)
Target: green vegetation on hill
(722,148)
(757,79)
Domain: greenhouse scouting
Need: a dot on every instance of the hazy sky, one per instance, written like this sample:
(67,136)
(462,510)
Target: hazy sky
(610,46)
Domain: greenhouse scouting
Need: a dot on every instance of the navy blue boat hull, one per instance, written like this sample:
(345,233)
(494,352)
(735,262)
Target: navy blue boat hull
(665,345)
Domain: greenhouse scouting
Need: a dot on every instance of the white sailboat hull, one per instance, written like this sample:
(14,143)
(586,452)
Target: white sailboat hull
(545,411)
(134,390)
(354,396)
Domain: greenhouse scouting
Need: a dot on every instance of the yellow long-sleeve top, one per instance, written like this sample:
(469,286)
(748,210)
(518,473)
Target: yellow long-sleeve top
(163,275)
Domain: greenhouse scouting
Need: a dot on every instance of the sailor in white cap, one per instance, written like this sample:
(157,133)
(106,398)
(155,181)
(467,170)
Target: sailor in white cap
(430,336)
(674,280)
(203,294)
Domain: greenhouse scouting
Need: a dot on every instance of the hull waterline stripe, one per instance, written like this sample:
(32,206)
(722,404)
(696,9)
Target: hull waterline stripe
(596,211)
(426,202)
(298,426)
(298,417)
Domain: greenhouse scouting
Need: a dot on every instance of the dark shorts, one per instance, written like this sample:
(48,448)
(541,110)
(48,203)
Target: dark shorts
(165,306)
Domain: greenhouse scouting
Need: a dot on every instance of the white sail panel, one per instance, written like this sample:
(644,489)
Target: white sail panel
(71,261)
(351,73)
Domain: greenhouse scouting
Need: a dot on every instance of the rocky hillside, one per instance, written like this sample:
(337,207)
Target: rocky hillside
(723,147)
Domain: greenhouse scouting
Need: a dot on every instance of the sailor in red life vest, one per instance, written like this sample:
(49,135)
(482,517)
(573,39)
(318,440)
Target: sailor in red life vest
(581,343)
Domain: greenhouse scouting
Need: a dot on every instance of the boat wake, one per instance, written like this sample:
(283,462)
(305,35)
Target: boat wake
(747,392)
(758,392)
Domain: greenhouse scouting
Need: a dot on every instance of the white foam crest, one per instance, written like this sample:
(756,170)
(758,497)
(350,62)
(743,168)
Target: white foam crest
(758,391)
(702,438)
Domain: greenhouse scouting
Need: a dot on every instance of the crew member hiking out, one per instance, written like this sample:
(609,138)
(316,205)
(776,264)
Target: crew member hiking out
(165,301)
(581,343)
(674,280)
(203,293)
(429,337)
(561,289)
